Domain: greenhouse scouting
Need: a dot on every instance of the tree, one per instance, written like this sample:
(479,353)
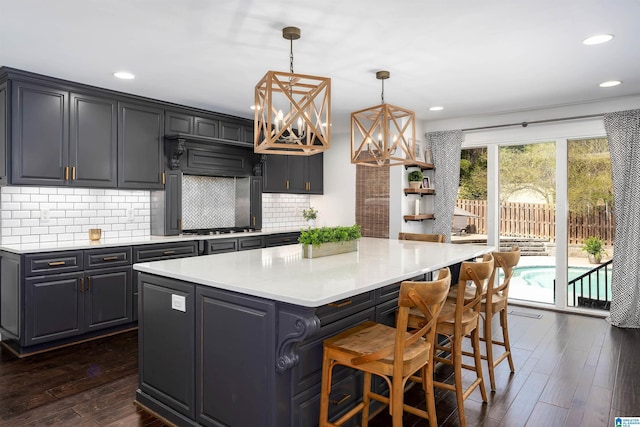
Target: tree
(473,174)
(530,167)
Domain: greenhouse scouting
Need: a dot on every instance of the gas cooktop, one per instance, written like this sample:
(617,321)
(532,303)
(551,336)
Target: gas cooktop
(218,230)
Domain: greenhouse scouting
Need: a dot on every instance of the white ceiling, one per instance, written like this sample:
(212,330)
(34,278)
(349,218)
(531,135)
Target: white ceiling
(472,57)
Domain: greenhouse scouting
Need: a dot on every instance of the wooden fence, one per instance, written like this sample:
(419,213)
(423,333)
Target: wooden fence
(533,220)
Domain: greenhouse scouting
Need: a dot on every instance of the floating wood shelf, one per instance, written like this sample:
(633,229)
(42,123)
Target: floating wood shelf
(420,191)
(423,166)
(420,217)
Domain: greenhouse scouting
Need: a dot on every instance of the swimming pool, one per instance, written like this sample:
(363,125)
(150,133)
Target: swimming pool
(536,283)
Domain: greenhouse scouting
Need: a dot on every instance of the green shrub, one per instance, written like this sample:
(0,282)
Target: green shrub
(317,236)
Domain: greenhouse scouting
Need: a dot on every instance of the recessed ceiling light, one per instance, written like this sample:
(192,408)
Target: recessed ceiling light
(610,83)
(125,75)
(597,39)
(436,108)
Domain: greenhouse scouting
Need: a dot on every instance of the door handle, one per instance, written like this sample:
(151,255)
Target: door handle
(81,284)
(73,173)
(66,173)
(89,283)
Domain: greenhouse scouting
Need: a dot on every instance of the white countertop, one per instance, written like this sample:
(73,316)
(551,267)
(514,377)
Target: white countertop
(282,274)
(69,245)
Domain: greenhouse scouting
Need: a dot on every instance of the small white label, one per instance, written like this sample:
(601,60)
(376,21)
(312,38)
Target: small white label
(178,302)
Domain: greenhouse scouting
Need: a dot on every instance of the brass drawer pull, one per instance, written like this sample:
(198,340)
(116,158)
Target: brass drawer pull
(81,285)
(340,304)
(110,258)
(168,252)
(56,263)
(344,398)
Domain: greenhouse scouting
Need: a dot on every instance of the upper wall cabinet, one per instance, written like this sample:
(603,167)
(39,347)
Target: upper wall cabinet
(236,132)
(73,143)
(3,132)
(293,174)
(140,146)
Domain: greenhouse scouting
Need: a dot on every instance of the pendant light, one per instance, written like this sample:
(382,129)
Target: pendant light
(384,135)
(292,111)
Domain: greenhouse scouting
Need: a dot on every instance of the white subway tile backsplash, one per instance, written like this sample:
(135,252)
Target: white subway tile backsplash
(70,212)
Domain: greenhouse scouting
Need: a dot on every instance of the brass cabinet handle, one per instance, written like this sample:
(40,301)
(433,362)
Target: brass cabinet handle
(163,180)
(89,283)
(340,304)
(66,173)
(81,284)
(110,258)
(287,184)
(340,401)
(254,221)
(73,173)
(168,252)
(180,224)
(55,263)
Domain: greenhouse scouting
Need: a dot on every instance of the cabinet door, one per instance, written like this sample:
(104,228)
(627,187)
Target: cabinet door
(40,134)
(166,345)
(108,298)
(231,131)
(247,134)
(206,127)
(173,207)
(315,174)
(235,358)
(256,202)
(175,122)
(275,174)
(93,141)
(53,308)
(140,154)
(297,174)
(3,133)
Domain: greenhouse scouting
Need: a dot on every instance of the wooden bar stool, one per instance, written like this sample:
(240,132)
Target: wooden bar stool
(395,354)
(458,319)
(438,238)
(496,302)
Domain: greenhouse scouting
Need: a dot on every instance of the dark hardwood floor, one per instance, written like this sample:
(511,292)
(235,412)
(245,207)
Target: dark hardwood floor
(570,371)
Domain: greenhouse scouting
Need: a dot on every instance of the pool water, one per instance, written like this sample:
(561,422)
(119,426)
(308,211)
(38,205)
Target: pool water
(536,283)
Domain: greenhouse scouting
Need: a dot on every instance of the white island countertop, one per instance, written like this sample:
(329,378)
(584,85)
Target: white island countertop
(283,274)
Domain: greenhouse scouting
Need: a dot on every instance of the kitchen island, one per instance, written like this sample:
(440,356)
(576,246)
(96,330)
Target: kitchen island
(236,339)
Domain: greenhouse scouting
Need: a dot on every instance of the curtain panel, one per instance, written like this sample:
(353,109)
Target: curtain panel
(623,132)
(445,147)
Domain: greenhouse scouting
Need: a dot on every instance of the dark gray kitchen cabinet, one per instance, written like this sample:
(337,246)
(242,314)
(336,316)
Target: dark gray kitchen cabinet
(54,308)
(281,239)
(73,143)
(166,348)
(293,174)
(233,369)
(140,146)
(255,194)
(93,141)
(166,206)
(186,123)
(53,298)
(39,152)
(3,133)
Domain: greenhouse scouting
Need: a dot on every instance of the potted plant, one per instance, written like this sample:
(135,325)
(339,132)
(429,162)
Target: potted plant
(310,216)
(323,241)
(594,247)
(415,179)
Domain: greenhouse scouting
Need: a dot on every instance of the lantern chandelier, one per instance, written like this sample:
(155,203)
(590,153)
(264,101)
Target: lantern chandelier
(292,111)
(384,135)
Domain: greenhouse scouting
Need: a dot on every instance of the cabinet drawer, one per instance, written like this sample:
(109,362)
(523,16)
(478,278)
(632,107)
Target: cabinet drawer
(343,308)
(109,257)
(220,246)
(246,243)
(388,292)
(52,263)
(162,251)
(281,239)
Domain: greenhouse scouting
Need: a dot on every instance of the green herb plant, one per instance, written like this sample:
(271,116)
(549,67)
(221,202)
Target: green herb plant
(594,246)
(309,214)
(416,176)
(317,236)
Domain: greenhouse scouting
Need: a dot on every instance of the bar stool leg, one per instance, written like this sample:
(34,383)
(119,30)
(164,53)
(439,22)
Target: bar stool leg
(324,394)
(505,337)
(488,341)
(457,369)
(366,388)
(477,357)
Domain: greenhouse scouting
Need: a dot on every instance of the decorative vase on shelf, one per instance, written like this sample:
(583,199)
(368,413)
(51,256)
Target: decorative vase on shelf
(415,184)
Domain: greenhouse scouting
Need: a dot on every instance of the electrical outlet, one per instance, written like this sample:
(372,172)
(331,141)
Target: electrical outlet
(131,215)
(45,215)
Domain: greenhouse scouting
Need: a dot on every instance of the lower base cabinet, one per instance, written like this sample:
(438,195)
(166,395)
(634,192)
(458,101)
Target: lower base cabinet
(231,359)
